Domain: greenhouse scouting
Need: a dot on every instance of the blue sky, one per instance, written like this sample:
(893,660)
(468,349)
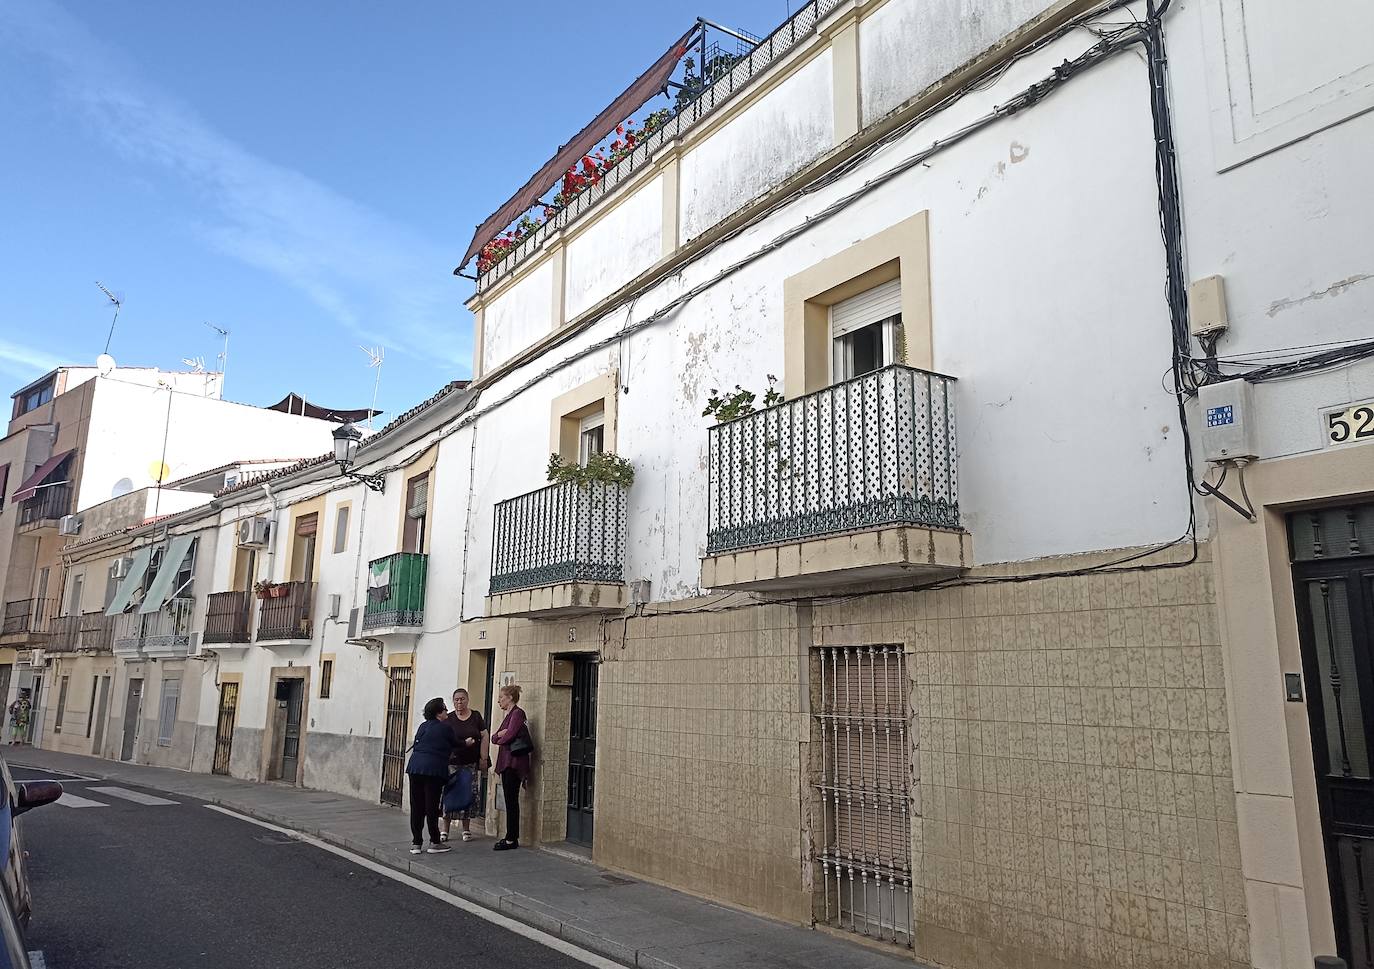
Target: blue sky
(305,175)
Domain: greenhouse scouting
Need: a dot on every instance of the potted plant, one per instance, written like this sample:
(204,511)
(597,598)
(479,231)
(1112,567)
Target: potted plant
(605,467)
(262,589)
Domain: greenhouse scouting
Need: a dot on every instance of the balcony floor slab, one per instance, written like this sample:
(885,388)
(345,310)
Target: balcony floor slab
(826,563)
(559,600)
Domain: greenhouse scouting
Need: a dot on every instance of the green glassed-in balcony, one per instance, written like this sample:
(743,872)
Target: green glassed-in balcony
(852,485)
(396,593)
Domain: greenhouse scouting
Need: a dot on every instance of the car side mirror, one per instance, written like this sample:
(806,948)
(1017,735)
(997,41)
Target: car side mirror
(34,794)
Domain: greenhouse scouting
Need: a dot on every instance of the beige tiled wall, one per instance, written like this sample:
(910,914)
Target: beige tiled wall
(701,720)
(1074,795)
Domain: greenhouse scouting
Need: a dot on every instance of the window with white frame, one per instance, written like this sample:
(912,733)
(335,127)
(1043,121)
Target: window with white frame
(591,435)
(167,711)
(864,331)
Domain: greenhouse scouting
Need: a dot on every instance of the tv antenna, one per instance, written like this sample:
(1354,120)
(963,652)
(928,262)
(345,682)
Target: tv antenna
(375,356)
(223,355)
(117,304)
(197,364)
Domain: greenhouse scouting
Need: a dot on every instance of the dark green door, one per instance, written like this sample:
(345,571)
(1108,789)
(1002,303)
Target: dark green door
(1333,575)
(582,751)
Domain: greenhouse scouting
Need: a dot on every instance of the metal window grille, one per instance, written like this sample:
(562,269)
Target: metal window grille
(167,712)
(224,726)
(863,844)
(326,678)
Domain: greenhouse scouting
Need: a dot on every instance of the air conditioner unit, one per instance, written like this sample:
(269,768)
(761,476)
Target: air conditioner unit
(68,525)
(119,568)
(38,658)
(254,532)
(194,643)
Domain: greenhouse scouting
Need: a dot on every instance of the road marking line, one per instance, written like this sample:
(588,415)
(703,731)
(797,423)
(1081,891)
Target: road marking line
(68,799)
(486,914)
(138,797)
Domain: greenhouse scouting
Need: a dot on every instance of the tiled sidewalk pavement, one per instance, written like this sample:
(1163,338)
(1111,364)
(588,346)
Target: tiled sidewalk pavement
(616,916)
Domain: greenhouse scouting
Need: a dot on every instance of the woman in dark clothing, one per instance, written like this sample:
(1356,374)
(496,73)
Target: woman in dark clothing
(428,769)
(511,766)
(470,731)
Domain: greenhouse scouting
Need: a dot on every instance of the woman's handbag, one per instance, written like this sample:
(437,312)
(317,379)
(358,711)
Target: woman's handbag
(458,791)
(522,743)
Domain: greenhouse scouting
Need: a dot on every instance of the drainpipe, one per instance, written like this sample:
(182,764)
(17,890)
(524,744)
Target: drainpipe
(272,536)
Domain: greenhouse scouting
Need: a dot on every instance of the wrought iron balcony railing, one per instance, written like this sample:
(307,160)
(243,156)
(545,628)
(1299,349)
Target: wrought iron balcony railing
(396,591)
(874,451)
(566,532)
(49,505)
(28,616)
(228,618)
(287,616)
(97,631)
(159,633)
(800,26)
(65,634)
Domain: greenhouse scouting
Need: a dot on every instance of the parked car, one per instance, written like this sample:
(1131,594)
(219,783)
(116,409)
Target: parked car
(15,799)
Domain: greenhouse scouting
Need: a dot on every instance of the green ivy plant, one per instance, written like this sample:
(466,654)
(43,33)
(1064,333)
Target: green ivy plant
(728,407)
(604,467)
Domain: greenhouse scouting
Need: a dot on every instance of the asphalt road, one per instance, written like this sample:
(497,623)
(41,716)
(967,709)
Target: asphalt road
(176,886)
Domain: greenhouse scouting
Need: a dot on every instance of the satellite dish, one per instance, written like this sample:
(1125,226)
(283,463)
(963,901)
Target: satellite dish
(105,364)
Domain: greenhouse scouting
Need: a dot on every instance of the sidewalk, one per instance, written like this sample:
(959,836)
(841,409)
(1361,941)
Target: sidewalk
(632,922)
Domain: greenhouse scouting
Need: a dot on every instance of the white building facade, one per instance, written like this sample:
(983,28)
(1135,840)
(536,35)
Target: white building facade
(952,648)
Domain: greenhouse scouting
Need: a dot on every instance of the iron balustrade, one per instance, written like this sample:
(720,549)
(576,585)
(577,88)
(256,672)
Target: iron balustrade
(31,616)
(567,532)
(396,590)
(97,631)
(287,616)
(169,629)
(228,618)
(796,29)
(875,451)
(66,634)
(50,504)
(166,630)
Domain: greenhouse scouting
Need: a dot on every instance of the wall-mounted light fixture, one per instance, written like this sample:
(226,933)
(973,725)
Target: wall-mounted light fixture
(346,439)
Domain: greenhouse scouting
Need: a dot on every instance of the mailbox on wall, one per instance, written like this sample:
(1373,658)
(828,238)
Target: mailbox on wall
(560,672)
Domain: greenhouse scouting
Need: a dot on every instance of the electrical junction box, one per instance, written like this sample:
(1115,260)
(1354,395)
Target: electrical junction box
(1228,422)
(560,672)
(1207,306)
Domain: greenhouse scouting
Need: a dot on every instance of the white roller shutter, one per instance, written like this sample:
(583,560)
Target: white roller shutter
(870,306)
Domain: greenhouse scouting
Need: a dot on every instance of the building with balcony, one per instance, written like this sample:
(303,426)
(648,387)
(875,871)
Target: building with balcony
(931,616)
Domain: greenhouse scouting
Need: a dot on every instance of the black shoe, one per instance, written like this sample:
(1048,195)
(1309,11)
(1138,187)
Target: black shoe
(504,845)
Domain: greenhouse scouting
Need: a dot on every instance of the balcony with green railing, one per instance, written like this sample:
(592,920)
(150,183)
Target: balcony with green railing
(396,593)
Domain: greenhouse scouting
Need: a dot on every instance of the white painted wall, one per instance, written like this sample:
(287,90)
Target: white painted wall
(620,246)
(129,421)
(518,317)
(774,137)
(905,46)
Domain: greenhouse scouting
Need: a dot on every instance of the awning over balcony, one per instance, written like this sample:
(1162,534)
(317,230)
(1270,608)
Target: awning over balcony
(161,589)
(651,82)
(131,582)
(40,476)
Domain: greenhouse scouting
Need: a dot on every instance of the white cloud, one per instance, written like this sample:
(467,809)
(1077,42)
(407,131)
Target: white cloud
(378,278)
(25,363)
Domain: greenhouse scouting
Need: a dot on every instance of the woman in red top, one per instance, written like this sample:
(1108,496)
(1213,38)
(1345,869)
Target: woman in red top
(513,768)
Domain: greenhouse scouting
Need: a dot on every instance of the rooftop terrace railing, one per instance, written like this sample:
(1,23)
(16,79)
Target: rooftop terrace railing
(796,29)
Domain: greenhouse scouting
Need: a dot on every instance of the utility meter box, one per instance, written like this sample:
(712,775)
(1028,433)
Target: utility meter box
(1228,422)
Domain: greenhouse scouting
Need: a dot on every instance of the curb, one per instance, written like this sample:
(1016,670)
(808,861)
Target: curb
(513,905)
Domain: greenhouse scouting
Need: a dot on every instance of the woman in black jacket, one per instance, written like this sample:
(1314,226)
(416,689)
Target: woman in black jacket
(428,770)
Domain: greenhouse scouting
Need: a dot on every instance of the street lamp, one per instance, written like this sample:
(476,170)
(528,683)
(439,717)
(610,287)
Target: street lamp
(346,439)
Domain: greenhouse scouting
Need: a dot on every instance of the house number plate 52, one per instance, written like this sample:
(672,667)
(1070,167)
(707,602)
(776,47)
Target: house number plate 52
(1354,423)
